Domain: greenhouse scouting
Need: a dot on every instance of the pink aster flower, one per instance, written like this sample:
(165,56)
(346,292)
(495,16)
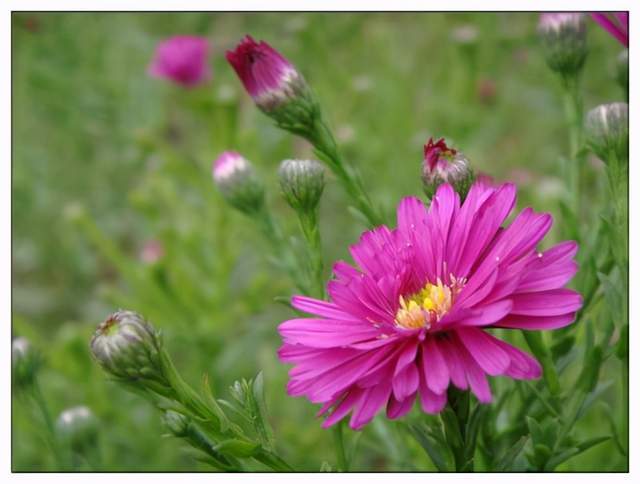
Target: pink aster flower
(182,60)
(616,23)
(268,77)
(414,316)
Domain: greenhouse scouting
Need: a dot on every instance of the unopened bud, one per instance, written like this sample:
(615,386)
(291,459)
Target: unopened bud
(25,362)
(302,183)
(607,130)
(129,348)
(445,165)
(177,423)
(238,183)
(270,79)
(564,40)
(78,427)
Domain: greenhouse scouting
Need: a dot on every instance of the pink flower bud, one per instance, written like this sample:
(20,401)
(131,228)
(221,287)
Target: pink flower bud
(269,78)
(182,60)
(445,165)
(237,181)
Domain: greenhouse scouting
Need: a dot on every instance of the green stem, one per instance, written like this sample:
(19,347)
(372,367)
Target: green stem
(541,351)
(41,403)
(311,232)
(625,404)
(573,112)
(327,150)
(281,249)
(338,441)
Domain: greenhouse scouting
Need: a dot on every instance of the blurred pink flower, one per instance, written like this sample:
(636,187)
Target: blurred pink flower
(152,251)
(182,60)
(616,23)
(412,317)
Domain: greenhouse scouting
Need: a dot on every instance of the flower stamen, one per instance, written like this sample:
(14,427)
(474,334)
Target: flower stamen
(426,307)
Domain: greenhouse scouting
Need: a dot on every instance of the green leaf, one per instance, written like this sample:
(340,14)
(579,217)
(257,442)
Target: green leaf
(430,447)
(225,423)
(537,435)
(261,423)
(567,454)
(237,447)
(506,462)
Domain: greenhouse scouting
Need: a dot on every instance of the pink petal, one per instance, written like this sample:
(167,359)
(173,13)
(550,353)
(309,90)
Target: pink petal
(547,303)
(434,367)
(396,409)
(484,350)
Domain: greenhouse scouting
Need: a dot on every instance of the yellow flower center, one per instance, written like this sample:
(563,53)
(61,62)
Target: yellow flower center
(427,306)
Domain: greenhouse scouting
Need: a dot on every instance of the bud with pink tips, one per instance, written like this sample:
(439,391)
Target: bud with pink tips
(443,164)
(236,179)
(269,78)
(564,40)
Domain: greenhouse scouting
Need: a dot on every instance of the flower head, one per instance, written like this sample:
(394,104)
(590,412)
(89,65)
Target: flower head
(564,40)
(269,78)
(415,315)
(128,347)
(78,427)
(607,130)
(238,183)
(445,165)
(616,23)
(182,60)
(302,183)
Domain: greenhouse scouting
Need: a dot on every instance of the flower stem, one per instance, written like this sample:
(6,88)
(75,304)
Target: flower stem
(280,248)
(41,403)
(327,150)
(574,166)
(311,232)
(338,441)
(541,351)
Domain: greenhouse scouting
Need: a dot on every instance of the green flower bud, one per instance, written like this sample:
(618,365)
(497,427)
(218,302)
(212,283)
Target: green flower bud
(564,41)
(177,423)
(129,349)
(607,131)
(78,427)
(238,183)
(302,183)
(25,363)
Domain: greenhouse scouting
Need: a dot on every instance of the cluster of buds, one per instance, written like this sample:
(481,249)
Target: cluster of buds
(25,362)
(564,40)
(127,347)
(182,60)
(607,130)
(78,428)
(237,181)
(302,183)
(445,165)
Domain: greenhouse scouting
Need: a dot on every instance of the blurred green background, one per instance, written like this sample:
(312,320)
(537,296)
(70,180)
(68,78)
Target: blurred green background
(106,159)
